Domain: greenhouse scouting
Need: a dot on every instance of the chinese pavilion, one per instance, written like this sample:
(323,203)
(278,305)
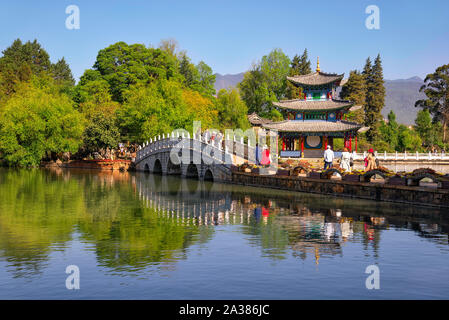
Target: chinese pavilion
(315,120)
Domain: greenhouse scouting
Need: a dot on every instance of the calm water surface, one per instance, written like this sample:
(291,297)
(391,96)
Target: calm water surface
(137,236)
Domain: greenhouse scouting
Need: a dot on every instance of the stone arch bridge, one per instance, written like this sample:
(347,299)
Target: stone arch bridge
(192,157)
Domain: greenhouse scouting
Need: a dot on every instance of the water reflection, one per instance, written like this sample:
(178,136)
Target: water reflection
(148,222)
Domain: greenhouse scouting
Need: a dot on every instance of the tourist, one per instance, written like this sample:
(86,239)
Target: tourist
(328,158)
(265,156)
(345,162)
(257,154)
(370,161)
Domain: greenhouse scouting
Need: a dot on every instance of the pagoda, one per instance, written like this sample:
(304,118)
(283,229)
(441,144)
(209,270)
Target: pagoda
(316,119)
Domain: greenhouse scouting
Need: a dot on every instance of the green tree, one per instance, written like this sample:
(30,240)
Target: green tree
(375,97)
(20,62)
(101,132)
(304,66)
(295,65)
(408,140)
(275,67)
(436,89)
(153,109)
(199,78)
(37,120)
(255,93)
(355,91)
(99,110)
(389,133)
(232,111)
(123,65)
(431,133)
(62,73)
(206,79)
(300,65)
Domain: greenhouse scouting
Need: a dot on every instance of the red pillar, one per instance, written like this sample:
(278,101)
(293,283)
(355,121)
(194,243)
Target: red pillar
(355,143)
(302,146)
(325,142)
(283,143)
(350,142)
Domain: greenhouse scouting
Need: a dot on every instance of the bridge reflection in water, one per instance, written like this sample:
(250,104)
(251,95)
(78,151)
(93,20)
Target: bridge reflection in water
(189,236)
(303,223)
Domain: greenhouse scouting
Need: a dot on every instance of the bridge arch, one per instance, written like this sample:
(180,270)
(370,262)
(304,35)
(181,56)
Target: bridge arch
(173,169)
(331,172)
(424,180)
(157,167)
(373,173)
(208,175)
(146,168)
(192,171)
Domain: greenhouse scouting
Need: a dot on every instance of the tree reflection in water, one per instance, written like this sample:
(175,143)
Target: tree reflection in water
(142,221)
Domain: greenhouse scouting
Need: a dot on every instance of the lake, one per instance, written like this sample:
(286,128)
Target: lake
(143,236)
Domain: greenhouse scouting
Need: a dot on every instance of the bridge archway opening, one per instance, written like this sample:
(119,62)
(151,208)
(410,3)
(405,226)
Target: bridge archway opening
(157,168)
(173,169)
(428,182)
(192,171)
(146,168)
(374,176)
(208,176)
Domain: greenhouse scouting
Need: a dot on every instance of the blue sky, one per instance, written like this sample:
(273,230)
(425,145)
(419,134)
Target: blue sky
(231,35)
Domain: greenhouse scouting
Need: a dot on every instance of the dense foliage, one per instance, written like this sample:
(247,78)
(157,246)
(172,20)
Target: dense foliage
(131,94)
(436,89)
(266,82)
(134,92)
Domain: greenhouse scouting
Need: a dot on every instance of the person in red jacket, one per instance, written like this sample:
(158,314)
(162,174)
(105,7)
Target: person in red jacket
(265,156)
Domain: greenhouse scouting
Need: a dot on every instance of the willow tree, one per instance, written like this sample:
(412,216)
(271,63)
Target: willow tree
(436,89)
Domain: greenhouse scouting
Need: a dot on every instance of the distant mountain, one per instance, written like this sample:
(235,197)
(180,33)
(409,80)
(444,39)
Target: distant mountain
(227,81)
(401,95)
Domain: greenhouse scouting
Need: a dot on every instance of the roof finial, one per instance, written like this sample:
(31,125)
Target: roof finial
(318,65)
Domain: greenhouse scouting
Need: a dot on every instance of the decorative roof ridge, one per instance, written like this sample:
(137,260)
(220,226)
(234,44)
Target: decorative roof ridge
(317,101)
(350,122)
(289,100)
(318,73)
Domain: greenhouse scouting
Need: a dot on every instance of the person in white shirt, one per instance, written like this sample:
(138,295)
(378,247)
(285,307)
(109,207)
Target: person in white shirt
(328,158)
(345,162)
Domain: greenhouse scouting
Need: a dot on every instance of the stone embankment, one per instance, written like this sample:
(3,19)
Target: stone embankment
(393,189)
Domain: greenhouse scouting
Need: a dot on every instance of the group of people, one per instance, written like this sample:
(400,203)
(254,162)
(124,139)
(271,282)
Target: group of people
(347,160)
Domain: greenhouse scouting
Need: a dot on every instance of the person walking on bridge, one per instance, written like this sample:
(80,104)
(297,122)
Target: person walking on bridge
(328,158)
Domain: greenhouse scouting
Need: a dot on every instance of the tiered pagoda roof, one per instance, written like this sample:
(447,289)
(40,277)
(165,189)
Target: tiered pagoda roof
(317,78)
(313,126)
(313,105)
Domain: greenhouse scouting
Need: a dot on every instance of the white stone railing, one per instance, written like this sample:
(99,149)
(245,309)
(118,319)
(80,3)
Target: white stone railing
(410,156)
(221,148)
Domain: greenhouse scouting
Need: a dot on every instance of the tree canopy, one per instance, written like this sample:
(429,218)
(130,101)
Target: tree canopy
(37,120)
(436,89)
